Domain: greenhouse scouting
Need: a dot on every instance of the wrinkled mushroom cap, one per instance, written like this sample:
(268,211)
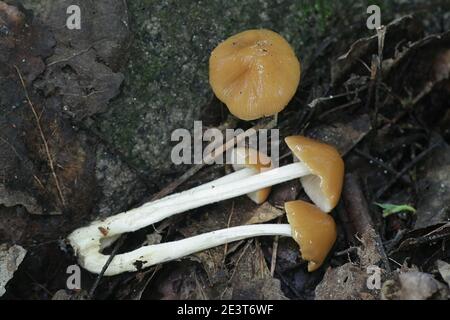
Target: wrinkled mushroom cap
(253,159)
(255,73)
(324,185)
(313,230)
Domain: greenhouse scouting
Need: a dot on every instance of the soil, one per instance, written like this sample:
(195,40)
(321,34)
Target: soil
(85,124)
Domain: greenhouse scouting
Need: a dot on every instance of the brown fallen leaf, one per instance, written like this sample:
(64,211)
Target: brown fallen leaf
(344,135)
(404,29)
(250,278)
(347,282)
(414,285)
(10,259)
(434,189)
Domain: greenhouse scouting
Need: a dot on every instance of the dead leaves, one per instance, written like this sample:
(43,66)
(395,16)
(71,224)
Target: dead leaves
(10,259)
(222,215)
(402,30)
(434,201)
(414,285)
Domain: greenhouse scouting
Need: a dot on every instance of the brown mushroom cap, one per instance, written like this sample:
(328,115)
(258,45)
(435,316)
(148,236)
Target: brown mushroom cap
(253,159)
(255,73)
(313,230)
(324,185)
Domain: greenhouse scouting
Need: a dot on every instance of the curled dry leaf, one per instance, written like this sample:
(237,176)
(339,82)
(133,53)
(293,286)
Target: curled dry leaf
(251,277)
(414,285)
(10,259)
(347,282)
(402,30)
(434,189)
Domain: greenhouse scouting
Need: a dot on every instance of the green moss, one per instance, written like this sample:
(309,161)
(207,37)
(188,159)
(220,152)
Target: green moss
(166,81)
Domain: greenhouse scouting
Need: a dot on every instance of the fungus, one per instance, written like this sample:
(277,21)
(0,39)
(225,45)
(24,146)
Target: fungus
(255,73)
(313,230)
(88,241)
(324,185)
(248,158)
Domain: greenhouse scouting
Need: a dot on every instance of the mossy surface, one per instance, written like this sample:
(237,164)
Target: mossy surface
(166,78)
(167,74)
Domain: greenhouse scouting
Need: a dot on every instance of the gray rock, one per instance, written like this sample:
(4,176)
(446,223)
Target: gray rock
(166,81)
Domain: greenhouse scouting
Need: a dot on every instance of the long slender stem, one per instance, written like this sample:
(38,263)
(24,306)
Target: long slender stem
(151,213)
(232,177)
(87,241)
(154,254)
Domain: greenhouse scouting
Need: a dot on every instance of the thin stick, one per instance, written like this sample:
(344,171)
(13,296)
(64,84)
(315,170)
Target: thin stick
(44,140)
(405,170)
(210,157)
(225,250)
(380,163)
(273,261)
(105,267)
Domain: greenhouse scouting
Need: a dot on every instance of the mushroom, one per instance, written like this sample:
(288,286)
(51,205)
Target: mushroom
(323,186)
(312,229)
(88,241)
(248,158)
(255,73)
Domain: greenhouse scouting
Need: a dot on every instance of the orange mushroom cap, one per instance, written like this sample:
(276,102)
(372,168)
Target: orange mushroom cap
(255,73)
(258,161)
(324,185)
(313,230)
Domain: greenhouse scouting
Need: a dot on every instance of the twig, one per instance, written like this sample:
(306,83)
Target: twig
(389,245)
(347,251)
(239,258)
(118,244)
(360,219)
(339,108)
(225,250)
(405,170)
(273,261)
(375,160)
(381,34)
(213,155)
(44,140)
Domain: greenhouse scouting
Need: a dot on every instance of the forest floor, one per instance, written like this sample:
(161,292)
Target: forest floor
(381,97)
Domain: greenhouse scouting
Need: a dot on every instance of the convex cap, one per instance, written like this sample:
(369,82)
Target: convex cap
(324,185)
(255,73)
(313,230)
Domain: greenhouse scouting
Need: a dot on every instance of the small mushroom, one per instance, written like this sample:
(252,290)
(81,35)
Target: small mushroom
(324,185)
(248,158)
(313,230)
(90,257)
(255,73)
(90,240)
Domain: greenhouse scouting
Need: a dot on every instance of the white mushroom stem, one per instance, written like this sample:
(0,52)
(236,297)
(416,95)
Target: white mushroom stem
(154,254)
(232,177)
(86,241)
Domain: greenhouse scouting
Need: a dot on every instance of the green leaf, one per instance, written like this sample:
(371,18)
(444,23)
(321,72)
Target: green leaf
(389,208)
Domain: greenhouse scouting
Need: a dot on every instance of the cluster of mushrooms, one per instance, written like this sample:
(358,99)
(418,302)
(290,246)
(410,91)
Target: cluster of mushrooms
(255,73)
